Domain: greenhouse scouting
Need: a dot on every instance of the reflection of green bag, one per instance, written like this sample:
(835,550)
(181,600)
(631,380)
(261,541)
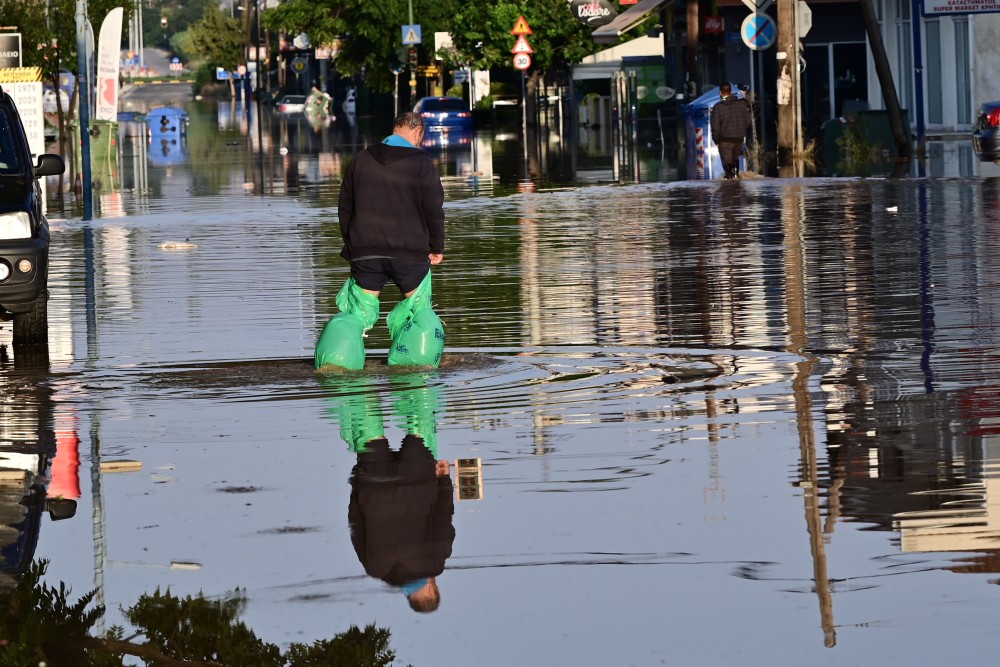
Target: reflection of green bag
(416,330)
(342,342)
(357,407)
(417,404)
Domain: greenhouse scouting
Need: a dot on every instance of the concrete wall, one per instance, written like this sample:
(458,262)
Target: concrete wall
(986,58)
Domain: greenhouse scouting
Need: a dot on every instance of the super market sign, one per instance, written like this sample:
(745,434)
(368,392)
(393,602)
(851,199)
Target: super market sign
(939,7)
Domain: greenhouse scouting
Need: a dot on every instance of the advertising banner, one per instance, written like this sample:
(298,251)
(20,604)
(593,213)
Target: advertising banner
(108,54)
(939,7)
(10,49)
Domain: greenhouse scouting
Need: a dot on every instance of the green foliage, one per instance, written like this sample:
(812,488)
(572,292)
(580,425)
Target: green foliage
(481,34)
(38,624)
(217,38)
(200,629)
(204,75)
(368,34)
(368,648)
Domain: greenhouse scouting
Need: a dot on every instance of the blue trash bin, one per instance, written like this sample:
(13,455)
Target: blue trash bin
(702,153)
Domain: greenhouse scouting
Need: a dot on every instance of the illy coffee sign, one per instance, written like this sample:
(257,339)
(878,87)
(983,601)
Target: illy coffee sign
(10,49)
(713,25)
(593,12)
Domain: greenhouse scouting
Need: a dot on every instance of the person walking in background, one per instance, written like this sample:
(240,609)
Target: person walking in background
(729,121)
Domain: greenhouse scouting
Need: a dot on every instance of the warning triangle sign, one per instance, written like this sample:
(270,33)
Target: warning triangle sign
(522,46)
(521,27)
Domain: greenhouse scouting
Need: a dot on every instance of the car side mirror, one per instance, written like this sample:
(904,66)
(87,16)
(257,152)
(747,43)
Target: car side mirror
(49,164)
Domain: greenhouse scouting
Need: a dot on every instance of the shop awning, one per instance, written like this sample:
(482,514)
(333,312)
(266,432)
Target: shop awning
(630,18)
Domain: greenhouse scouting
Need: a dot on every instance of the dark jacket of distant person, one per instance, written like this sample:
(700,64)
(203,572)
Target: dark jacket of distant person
(391,205)
(730,120)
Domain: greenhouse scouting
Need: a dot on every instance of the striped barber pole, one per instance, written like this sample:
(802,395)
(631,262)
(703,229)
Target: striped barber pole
(699,152)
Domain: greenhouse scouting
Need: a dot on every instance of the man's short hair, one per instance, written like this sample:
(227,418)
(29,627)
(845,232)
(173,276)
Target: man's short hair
(408,120)
(725,88)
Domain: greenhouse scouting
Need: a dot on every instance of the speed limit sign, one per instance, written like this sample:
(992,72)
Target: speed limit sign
(522,61)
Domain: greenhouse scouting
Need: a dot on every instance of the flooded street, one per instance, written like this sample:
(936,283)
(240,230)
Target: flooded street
(688,422)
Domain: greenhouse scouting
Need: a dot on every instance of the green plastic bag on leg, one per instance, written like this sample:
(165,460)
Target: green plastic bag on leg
(342,343)
(416,330)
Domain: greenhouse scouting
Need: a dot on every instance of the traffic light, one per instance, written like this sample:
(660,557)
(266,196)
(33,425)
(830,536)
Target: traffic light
(411,56)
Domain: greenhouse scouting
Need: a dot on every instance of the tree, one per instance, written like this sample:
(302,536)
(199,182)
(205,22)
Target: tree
(48,37)
(368,34)
(481,35)
(219,39)
(39,624)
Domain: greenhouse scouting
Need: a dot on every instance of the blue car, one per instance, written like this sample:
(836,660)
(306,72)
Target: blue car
(445,114)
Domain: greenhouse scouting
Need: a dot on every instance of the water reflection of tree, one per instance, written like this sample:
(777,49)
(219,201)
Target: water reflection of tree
(40,625)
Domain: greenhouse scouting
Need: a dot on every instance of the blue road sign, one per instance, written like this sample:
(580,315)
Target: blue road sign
(411,34)
(758,31)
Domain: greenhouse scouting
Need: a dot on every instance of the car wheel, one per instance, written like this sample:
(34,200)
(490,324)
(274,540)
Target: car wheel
(32,327)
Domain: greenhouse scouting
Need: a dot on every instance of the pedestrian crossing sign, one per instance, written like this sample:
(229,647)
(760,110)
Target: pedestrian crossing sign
(411,34)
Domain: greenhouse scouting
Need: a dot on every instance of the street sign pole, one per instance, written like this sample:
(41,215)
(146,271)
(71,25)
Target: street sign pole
(413,73)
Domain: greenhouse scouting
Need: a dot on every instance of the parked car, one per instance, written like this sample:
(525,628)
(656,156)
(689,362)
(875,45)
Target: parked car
(292,104)
(445,114)
(24,230)
(986,135)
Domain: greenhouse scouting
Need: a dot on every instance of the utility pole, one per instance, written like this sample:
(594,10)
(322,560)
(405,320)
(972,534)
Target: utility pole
(789,125)
(83,93)
(900,132)
(693,64)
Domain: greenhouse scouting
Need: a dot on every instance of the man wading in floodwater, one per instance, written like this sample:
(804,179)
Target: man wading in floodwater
(391,211)
(730,120)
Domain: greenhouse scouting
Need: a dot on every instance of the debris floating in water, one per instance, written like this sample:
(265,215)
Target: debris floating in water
(177,245)
(121,465)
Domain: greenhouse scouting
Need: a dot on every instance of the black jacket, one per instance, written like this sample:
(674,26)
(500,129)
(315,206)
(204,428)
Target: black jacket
(730,120)
(391,205)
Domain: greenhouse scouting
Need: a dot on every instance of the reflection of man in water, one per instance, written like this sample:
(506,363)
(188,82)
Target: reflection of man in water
(402,501)
(400,516)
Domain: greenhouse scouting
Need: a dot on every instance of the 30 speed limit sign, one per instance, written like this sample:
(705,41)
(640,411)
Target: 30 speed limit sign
(522,61)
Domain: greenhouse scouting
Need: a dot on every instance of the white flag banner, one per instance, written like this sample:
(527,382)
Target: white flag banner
(108,55)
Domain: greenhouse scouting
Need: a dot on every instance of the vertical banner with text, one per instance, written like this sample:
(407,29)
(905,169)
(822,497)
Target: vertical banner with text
(108,55)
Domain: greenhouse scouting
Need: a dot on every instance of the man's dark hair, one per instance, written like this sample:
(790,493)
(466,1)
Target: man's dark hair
(409,120)
(725,89)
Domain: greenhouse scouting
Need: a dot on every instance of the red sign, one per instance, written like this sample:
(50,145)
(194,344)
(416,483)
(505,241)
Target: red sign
(713,25)
(628,2)
(522,61)
(521,27)
(522,46)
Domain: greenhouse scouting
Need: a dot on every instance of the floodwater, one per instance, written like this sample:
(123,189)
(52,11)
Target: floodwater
(688,422)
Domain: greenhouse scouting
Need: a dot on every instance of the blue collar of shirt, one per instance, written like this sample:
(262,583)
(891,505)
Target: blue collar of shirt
(412,587)
(396,140)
